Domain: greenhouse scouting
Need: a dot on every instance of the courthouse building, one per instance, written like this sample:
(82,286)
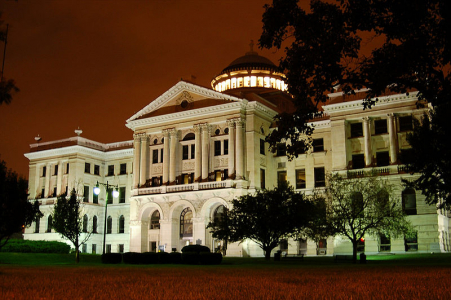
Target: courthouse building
(194,149)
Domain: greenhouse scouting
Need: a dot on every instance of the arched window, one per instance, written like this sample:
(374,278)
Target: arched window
(155,220)
(186,223)
(121,224)
(37,224)
(109,224)
(409,201)
(357,205)
(94,224)
(49,223)
(382,199)
(218,214)
(190,136)
(85,223)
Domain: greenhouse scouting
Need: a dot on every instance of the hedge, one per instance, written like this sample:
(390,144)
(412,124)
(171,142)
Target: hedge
(27,246)
(202,258)
(195,248)
(111,258)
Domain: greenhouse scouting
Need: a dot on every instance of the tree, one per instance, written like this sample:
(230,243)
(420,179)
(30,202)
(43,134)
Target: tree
(267,217)
(67,220)
(7,86)
(382,45)
(16,212)
(360,206)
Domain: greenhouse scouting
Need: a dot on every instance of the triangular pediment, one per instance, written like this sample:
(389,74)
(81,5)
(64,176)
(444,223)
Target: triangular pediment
(183,96)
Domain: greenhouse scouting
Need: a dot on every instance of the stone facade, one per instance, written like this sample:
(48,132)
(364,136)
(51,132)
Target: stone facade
(195,149)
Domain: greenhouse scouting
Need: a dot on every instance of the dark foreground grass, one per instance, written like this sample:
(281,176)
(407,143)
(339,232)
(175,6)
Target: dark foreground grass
(389,277)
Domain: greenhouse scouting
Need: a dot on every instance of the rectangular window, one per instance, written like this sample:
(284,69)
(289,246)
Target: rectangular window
(300,179)
(405,123)
(320,177)
(110,170)
(406,156)
(67,190)
(380,126)
(96,170)
(262,147)
(411,242)
(226,174)
(43,193)
(56,170)
(123,169)
(226,147)
(218,175)
(87,168)
(193,150)
(318,145)
(120,248)
(94,248)
(44,171)
(54,192)
(358,161)
(108,248)
(95,198)
(86,194)
(161,155)
(217,148)
(262,179)
(356,130)
(384,243)
(281,149)
(110,196)
(281,177)
(122,194)
(155,156)
(67,168)
(185,152)
(382,158)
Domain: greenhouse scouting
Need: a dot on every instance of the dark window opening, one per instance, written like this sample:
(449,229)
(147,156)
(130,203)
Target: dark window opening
(380,126)
(409,201)
(96,170)
(281,149)
(186,223)
(262,147)
(405,123)
(123,169)
(155,220)
(109,224)
(185,152)
(155,156)
(217,148)
(122,194)
(121,224)
(356,130)
(318,145)
(56,170)
(86,193)
(382,159)
(110,170)
(281,178)
(320,177)
(44,171)
(87,168)
(262,179)
(358,161)
(226,147)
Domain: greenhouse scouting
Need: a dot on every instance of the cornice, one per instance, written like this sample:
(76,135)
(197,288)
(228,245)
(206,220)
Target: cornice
(382,101)
(203,112)
(261,109)
(79,150)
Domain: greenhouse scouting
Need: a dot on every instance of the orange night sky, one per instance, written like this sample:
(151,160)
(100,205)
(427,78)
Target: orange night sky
(93,64)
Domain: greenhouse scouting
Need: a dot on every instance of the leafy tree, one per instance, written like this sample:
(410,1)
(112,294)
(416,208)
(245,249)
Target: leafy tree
(266,218)
(383,45)
(360,206)
(16,211)
(68,221)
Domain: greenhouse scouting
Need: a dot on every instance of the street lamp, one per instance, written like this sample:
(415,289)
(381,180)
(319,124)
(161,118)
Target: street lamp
(108,187)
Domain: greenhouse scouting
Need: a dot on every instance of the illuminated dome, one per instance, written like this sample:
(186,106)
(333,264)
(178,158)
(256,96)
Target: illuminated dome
(250,71)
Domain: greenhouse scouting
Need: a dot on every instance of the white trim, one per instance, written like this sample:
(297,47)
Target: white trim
(77,149)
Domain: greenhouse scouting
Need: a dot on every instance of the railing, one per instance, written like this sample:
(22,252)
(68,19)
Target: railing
(375,171)
(184,187)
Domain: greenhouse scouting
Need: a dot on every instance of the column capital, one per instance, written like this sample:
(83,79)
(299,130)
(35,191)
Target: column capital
(139,135)
(366,119)
(391,115)
(231,122)
(197,128)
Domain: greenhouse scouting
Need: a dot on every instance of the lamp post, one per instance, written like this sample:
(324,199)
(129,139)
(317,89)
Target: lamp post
(115,195)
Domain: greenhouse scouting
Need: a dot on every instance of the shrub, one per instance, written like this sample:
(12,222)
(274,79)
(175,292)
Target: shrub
(164,258)
(133,258)
(210,258)
(190,258)
(195,248)
(111,258)
(27,246)
(149,258)
(175,257)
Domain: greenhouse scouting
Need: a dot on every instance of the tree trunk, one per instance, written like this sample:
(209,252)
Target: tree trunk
(267,253)
(77,252)
(354,252)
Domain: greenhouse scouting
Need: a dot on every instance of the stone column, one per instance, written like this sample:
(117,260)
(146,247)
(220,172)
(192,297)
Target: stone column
(47,180)
(205,151)
(239,149)
(173,155)
(136,159)
(144,160)
(197,157)
(59,178)
(393,139)
(367,141)
(231,125)
(166,156)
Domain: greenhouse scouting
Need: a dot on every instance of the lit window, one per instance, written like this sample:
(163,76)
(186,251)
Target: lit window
(281,178)
(300,179)
(186,223)
(155,220)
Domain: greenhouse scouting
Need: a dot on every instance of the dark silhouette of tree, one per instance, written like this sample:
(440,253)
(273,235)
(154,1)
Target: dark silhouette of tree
(267,217)
(7,86)
(68,220)
(359,206)
(16,212)
(382,45)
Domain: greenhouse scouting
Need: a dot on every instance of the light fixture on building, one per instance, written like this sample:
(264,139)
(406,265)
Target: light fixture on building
(115,193)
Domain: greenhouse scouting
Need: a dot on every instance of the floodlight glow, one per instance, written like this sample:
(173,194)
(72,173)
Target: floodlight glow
(96,190)
(115,194)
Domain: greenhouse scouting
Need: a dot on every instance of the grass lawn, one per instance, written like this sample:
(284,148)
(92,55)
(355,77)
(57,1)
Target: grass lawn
(51,276)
